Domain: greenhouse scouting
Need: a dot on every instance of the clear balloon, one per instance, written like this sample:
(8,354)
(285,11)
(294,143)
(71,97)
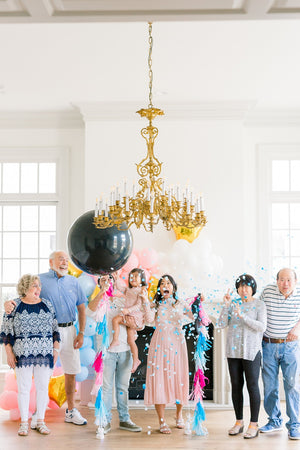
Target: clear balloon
(87,284)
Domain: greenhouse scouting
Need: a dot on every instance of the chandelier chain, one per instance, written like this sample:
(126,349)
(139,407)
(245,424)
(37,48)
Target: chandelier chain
(151,200)
(150,65)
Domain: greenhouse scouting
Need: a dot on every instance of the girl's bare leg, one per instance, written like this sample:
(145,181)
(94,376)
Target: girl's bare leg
(116,328)
(133,347)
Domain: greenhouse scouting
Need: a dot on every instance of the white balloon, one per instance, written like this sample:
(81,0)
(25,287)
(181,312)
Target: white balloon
(203,246)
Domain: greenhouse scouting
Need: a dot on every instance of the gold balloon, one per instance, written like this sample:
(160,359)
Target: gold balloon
(95,293)
(189,234)
(72,270)
(152,288)
(56,390)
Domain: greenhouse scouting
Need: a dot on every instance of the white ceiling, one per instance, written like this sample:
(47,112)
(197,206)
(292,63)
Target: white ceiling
(59,53)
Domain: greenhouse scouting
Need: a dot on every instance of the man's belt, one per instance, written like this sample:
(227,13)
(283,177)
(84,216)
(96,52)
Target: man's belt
(276,341)
(66,324)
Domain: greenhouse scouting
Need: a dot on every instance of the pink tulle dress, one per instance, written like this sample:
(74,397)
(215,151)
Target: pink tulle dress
(133,302)
(167,379)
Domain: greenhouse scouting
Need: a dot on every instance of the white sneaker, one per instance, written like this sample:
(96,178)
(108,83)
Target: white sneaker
(75,417)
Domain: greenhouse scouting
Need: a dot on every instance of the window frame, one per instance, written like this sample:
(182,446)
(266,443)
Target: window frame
(266,153)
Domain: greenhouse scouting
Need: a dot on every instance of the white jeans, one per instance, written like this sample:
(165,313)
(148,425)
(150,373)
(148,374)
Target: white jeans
(41,376)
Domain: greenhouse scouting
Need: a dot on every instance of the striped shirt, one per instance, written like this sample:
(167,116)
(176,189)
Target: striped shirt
(282,313)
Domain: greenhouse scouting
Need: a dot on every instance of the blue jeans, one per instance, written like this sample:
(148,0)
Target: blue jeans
(117,365)
(287,356)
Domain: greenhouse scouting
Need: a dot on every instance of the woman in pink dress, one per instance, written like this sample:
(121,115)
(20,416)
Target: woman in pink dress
(167,379)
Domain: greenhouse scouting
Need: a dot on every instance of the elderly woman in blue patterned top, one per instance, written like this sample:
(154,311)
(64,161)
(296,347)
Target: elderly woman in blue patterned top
(246,319)
(31,337)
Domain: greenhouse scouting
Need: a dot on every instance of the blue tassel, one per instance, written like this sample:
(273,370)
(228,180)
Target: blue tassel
(102,329)
(199,417)
(100,410)
(200,358)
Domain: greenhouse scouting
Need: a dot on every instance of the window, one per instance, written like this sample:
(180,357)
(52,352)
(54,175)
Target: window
(279,196)
(31,184)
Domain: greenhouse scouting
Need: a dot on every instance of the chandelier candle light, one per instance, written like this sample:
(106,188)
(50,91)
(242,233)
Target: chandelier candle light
(154,201)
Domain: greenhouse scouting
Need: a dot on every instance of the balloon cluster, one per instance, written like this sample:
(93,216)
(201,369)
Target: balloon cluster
(192,264)
(9,396)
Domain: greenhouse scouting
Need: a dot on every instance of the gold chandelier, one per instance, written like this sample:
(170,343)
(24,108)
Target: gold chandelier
(154,201)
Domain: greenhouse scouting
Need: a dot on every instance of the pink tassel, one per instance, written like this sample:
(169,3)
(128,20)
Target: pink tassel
(197,393)
(203,316)
(99,379)
(98,363)
(200,378)
(110,291)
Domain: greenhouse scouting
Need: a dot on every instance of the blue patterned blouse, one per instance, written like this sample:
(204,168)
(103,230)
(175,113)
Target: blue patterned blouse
(31,331)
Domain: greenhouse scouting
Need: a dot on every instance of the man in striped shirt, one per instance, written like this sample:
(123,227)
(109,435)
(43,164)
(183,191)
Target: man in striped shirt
(281,348)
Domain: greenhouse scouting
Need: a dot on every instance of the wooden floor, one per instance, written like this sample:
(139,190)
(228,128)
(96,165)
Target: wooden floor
(68,436)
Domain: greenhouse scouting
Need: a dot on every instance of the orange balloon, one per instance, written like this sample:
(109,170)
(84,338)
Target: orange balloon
(56,390)
(189,234)
(73,270)
(152,288)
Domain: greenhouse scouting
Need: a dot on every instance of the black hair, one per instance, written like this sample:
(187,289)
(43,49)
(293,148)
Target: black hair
(158,296)
(248,280)
(141,273)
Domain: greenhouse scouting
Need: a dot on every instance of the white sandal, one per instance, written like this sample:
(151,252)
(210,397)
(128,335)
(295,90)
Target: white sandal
(42,428)
(23,429)
(164,428)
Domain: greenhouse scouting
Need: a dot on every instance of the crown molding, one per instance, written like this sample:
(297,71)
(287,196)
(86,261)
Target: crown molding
(83,113)
(126,111)
(40,119)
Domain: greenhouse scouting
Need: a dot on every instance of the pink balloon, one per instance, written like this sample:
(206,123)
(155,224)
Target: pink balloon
(9,400)
(11,382)
(148,258)
(57,371)
(53,405)
(132,263)
(124,277)
(14,414)
(148,275)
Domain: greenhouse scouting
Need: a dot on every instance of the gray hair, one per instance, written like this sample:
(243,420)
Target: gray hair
(286,268)
(52,255)
(25,283)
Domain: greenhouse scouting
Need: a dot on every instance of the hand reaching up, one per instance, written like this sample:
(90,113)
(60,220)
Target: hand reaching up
(227,298)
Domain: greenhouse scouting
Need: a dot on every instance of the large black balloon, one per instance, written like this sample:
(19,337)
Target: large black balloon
(97,251)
